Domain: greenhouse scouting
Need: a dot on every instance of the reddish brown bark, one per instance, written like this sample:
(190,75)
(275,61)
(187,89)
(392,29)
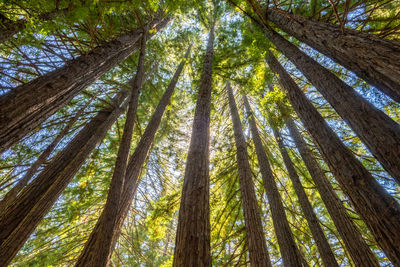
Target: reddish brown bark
(97,252)
(376,130)
(255,236)
(12,194)
(28,105)
(128,189)
(373,59)
(192,243)
(138,158)
(355,244)
(376,207)
(19,221)
(290,254)
(325,251)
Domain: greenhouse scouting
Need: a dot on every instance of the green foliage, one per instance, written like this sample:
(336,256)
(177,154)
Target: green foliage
(148,234)
(161,214)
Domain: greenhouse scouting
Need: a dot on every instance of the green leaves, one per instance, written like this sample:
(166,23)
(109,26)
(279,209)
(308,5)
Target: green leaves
(153,5)
(81,13)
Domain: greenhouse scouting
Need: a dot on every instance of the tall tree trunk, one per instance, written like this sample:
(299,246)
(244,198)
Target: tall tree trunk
(192,243)
(138,158)
(327,256)
(99,252)
(373,59)
(28,105)
(355,244)
(20,219)
(377,208)
(255,236)
(12,194)
(108,226)
(376,130)
(290,254)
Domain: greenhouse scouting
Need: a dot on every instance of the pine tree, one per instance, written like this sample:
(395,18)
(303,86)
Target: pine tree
(12,194)
(373,59)
(358,249)
(258,251)
(106,231)
(290,254)
(27,106)
(318,234)
(82,186)
(192,245)
(98,252)
(21,218)
(376,207)
(370,124)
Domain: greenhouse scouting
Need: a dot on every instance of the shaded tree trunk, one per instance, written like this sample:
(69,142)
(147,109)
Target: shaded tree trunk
(325,251)
(290,254)
(22,217)
(373,59)
(376,207)
(106,231)
(192,243)
(12,194)
(355,244)
(255,236)
(28,105)
(376,130)
(137,160)
(99,251)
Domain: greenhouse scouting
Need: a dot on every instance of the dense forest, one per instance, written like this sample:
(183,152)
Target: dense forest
(200,133)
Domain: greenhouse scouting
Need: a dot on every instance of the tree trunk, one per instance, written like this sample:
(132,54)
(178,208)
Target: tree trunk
(290,254)
(99,251)
(28,105)
(358,249)
(19,221)
(376,130)
(327,256)
(12,194)
(192,243)
(377,208)
(255,236)
(111,226)
(373,59)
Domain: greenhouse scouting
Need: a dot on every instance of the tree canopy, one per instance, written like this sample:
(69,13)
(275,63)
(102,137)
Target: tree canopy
(39,38)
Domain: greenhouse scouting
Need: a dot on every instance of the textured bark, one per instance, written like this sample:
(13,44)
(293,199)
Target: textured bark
(101,243)
(373,59)
(255,236)
(355,244)
(379,210)
(376,130)
(28,105)
(12,194)
(290,254)
(111,226)
(19,221)
(325,251)
(192,243)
